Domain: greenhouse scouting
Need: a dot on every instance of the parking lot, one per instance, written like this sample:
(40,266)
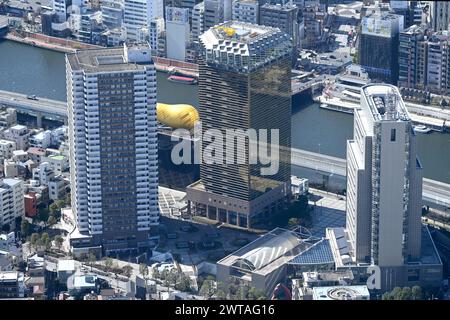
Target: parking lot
(195,242)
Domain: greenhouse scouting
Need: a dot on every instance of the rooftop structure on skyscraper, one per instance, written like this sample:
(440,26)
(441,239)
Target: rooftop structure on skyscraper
(244,74)
(243,47)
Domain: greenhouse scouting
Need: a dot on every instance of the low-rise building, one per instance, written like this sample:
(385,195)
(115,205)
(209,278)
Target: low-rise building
(36,154)
(6,149)
(264,262)
(10,169)
(19,134)
(58,163)
(78,284)
(11,284)
(43,173)
(20,155)
(11,201)
(41,139)
(30,204)
(8,117)
(66,268)
(57,188)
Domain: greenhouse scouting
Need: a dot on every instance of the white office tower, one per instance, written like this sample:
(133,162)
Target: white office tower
(246,11)
(198,21)
(177,32)
(139,14)
(113,148)
(384,180)
(384,197)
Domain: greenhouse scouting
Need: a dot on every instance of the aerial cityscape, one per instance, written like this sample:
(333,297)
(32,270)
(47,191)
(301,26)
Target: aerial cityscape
(224,150)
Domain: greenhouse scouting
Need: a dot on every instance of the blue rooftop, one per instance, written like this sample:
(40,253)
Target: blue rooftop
(319,253)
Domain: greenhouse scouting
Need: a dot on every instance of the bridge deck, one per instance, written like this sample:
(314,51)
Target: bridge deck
(433,191)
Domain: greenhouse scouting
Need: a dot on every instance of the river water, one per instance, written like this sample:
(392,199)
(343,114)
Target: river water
(32,70)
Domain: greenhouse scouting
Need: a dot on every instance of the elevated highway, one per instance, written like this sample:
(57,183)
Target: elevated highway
(434,192)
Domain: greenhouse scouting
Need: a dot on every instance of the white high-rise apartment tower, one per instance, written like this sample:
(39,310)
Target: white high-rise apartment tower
(113,148)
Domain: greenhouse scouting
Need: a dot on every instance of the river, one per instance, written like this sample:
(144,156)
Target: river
(32,70)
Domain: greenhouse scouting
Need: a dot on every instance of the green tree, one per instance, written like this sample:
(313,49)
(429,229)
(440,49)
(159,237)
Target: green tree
(293,222)
(127,269)
(232,290)
(207,289)
(416,293)
(221,291)
(256,294)
(24,228)
(34,239)
(155,273)
(387,296)
(406,293)
(51,220)
(172,277)
(108,263)
(59,241)
(53,208)
(42,214)
(241,292)
(91,259)
(67,200)
(6,227)
(221,295)
(356,57)
(61,203)
(166,279)
(143,270)
(184,283)
(45,240)
(397,293)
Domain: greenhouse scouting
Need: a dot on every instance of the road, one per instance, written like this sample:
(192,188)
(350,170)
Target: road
(434,192)
(51,109)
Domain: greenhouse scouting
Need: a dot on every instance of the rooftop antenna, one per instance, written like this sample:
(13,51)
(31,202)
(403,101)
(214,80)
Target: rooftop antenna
(391,105)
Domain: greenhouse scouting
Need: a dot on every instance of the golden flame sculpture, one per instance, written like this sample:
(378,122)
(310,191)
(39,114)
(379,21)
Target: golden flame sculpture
(177,116)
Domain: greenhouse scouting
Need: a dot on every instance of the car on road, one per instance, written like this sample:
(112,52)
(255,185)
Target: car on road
(32,97)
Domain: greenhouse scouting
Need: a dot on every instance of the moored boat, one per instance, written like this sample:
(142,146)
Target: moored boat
(421,129)
(180,79)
